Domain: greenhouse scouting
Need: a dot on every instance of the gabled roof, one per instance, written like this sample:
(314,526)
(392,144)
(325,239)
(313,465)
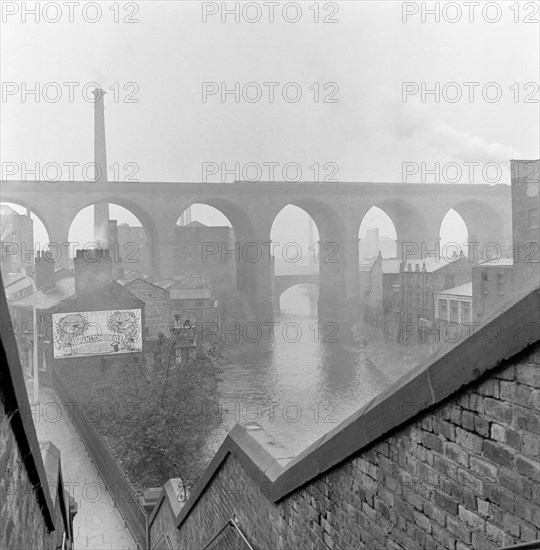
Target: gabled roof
(127,283)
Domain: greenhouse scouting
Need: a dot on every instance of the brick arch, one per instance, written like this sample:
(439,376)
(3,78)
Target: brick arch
(244,232)
(409,222)
(483,222)
(33,210)
(144,217)
(332,259)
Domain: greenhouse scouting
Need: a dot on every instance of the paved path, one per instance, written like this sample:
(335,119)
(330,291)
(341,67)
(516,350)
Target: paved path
(98,524)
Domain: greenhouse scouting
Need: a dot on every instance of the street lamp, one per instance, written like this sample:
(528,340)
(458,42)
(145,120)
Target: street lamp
(35,347)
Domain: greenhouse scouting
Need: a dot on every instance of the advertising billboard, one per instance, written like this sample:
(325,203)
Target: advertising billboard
(85,333)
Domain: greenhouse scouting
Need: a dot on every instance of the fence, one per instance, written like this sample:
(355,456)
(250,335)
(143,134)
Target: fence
(115,480)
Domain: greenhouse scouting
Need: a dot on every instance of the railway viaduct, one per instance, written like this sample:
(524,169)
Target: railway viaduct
(417,211)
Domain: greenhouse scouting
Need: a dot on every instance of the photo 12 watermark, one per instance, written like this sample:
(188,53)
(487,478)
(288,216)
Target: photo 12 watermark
(270,12)
(269,172)
(269,92)
(70,12)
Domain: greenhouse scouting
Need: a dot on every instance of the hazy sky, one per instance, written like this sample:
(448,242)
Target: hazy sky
(163,59)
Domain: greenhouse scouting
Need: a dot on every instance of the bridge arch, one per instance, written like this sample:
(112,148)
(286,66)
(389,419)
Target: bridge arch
(411,226)
(377,233)
(136,255)
(484,226)
(283,283)
(244,249)
(34,214)
(328,258)
(453,224)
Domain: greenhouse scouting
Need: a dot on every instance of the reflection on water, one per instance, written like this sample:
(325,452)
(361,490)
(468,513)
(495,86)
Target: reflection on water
(299,384)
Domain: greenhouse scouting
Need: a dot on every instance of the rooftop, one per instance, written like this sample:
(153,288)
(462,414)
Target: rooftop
(498,262)
(461,290)
(64,288)
(432,264)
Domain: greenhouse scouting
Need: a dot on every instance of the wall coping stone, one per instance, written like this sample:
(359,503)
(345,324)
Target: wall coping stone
(427,385)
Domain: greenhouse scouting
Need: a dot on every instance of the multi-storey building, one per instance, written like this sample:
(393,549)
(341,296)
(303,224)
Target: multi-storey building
(499,281)
(420,280)
(156,305)
(380,290)
(492,283)
(454,305)
(525,221)
(191,300)
(16,240)
(206,252)
(133,249)
(78,317)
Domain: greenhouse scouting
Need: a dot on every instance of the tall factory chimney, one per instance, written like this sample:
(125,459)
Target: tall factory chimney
(101,210)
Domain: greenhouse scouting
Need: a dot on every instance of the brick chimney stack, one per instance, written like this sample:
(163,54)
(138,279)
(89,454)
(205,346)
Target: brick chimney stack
(93,270)
(101,210)
(44,271)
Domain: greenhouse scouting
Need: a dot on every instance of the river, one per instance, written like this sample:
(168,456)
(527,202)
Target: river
(302,382)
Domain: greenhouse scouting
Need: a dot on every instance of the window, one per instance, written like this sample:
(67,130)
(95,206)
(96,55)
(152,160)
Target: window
(533,218)
(484,282)
(465,312)
(443,309)
(454,311)
(449,282)
(500,284)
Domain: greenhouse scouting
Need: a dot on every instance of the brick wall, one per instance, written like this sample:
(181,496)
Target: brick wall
(33,512)
(156,306)
(465,476)
(460,474)
(23,525)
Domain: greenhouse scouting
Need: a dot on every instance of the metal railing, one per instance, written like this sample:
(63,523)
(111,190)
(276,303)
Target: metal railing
(233,522)
(124,497)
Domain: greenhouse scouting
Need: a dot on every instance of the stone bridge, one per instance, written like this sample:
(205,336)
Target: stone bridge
(417,211)
(281,283)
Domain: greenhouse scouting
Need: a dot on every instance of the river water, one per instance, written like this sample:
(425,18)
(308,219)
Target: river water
(300,385)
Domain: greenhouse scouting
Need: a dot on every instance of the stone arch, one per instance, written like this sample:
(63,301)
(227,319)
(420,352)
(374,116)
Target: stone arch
(484,226)
(245,242)
(33,210)
(460,233)
(371,244)
(131,255)
(282,283)
(412,230)
(331,258)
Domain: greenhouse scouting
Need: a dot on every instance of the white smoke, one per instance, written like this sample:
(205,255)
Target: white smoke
(417,123)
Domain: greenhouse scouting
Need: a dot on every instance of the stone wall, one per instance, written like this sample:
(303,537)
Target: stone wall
(462,473)
(156,306)
(33,512)
(23,525)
